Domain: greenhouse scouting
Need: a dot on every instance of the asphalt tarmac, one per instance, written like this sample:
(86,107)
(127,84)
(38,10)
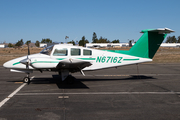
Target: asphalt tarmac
(143,92)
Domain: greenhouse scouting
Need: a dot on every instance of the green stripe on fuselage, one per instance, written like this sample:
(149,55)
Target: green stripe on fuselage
(87,58)
(16,63)
(130,59)
(60,58)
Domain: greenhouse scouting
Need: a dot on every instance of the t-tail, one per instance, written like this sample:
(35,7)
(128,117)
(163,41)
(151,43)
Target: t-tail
(148,43)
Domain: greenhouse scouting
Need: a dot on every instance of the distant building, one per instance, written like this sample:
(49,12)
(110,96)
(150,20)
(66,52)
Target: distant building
(96,45)
(2,45)
(170,45)
(99,45)
(42,45)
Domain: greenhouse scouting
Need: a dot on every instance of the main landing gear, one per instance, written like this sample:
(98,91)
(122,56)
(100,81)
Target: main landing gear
(65,76)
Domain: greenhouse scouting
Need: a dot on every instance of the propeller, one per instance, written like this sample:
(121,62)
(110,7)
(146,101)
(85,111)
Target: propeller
(28,50)
(26,61)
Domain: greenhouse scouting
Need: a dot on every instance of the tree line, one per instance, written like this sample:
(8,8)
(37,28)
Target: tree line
(173,39)
(37,43)
(81,42)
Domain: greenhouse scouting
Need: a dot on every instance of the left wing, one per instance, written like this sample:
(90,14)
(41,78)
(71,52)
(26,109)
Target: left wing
(73,65)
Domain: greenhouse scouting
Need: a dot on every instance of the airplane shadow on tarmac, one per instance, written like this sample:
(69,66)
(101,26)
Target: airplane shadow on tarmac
(78,84)
(60,84)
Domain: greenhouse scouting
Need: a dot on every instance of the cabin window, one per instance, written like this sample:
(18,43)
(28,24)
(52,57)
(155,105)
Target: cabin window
(75,51)
(60,52)
(87,52)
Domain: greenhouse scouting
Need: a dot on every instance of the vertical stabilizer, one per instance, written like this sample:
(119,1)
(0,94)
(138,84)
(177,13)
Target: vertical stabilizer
(149,42)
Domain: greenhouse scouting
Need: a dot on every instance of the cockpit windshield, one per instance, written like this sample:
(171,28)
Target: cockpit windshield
(47,50)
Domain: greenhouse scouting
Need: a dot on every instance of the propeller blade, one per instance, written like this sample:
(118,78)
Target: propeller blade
(27,66)
(26,61)
(28,50)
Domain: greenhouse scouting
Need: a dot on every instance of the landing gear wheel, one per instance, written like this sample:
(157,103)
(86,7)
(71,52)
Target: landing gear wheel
(26,80)
(70,79)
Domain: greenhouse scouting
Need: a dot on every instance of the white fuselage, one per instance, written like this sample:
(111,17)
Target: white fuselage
(98,58)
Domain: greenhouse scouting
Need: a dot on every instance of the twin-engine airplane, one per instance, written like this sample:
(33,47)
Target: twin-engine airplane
(69,59)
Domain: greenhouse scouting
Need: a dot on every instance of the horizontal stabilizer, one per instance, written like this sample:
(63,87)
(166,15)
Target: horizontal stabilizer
(159,30)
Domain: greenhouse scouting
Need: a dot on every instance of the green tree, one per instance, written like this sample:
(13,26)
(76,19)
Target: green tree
(178,40)
(19,43)
(103,40)
(94,38)
(47,40)
(115,41)
(171,39)
(28,42)
(37,43)
(83,41)
(10,45)
(72,42)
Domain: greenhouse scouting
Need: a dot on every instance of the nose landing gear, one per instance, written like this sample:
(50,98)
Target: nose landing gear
(26,79)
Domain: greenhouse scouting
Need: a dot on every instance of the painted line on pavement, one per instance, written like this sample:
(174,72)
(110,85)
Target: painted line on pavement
(13,93)
(131,75)
(105,93)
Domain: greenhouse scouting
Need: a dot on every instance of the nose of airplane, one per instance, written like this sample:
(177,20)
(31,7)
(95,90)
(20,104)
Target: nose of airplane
(6,64)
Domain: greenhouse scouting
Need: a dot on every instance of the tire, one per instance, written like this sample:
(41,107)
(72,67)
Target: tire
(26,80)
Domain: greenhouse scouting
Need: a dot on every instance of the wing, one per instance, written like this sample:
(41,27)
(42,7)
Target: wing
(73,65)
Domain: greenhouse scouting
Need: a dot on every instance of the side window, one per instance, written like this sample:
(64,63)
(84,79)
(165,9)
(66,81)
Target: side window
(60,52)
(75,51)
(87,52)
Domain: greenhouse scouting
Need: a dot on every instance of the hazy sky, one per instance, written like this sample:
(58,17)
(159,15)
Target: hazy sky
(111,19)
